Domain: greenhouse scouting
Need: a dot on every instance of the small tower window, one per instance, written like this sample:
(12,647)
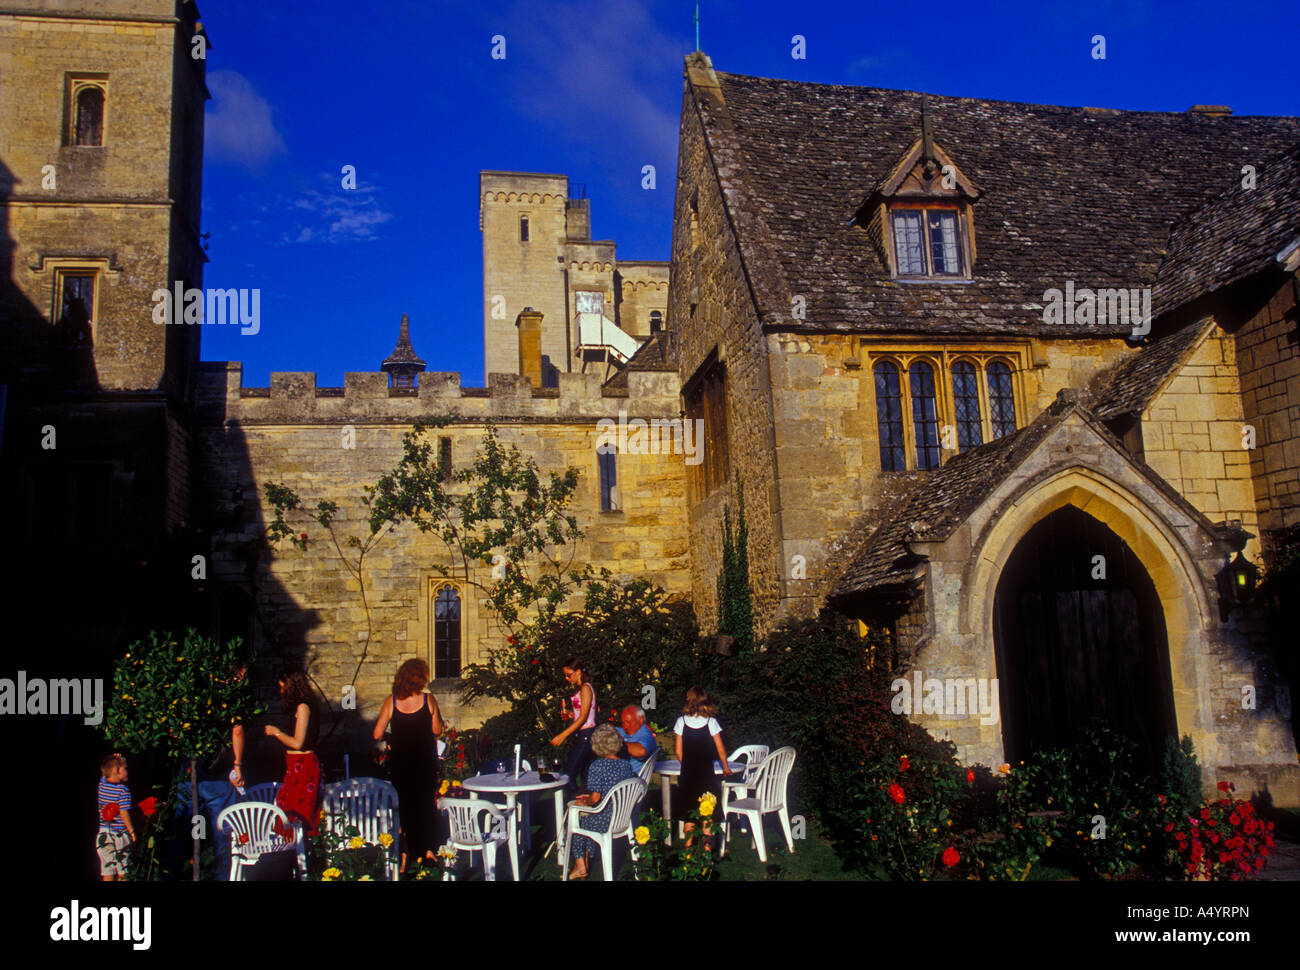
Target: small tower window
(88,124)
(523,229)
(656,321)
(76,296)
(444,459)
(606,456)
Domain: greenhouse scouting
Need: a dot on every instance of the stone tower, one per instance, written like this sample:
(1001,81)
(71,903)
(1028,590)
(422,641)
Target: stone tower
(538,253)
(101,155)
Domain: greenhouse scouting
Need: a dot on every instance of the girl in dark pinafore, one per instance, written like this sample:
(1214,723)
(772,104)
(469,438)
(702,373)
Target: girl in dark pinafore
(699,738)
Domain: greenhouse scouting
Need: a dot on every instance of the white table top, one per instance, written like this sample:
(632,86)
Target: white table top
(507,782)
(674,768)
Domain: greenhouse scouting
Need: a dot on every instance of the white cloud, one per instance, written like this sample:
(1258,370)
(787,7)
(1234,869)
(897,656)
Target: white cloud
(589,67)
(239,127)
(340,215)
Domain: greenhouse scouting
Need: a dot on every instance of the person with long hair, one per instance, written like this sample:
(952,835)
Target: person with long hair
(413,756)
(582,713)
(299,795)
(699,737)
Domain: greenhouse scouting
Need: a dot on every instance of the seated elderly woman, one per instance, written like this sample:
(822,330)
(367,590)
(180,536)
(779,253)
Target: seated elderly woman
(606,770)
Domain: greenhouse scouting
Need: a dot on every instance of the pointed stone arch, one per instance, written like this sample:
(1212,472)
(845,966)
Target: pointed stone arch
(1159,545)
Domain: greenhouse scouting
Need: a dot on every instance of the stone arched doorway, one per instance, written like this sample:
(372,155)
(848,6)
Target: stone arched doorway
(1076,642)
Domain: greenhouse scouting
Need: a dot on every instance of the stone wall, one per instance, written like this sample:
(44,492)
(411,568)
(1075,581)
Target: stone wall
(292,433)
(110,208)
(1268,355)
(712,312)
(1192,436)
(522,273)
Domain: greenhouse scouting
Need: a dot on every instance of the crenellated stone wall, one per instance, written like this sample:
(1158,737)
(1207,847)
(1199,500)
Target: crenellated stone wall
(296,434)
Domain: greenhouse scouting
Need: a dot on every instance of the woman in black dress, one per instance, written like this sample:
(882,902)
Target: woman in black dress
(413,756)
(699,737)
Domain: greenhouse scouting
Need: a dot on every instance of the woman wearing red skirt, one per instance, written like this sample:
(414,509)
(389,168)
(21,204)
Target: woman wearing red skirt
(299,795)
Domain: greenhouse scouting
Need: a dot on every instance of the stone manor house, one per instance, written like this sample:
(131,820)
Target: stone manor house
(1018,383)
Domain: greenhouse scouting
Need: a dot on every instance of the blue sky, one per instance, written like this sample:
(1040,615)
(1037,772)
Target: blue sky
(409,94)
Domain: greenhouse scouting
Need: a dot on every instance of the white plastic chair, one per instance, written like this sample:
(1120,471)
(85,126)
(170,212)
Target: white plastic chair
(648,769)
(469,833)
(253,834)
(620,799)
(769,785)
(265,792)
(371,805)
(752,755)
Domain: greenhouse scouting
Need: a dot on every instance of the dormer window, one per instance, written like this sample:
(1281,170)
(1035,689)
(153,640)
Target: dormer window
(927,241)
(920,215)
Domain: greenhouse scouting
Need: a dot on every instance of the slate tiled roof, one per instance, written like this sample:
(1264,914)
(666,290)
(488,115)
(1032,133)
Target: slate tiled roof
(938,503)
(1232,236)
(654,354)
(1069,194)
(1130,384)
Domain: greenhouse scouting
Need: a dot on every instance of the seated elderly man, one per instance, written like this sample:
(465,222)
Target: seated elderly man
(636,734)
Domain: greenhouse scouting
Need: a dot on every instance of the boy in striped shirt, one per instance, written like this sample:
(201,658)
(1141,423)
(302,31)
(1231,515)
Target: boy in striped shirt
(116,833)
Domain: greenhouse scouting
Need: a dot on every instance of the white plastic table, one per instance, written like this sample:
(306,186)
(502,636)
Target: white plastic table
(505,783)
(667,770)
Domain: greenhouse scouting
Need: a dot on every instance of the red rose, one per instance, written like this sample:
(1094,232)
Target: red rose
(243,838)
(304,537)
(1225,786)
(534,660)
(896,793)
(902,763)
(149,806)
(1162,799)
(950,856)
(510,639)
(970,776)
(109,811)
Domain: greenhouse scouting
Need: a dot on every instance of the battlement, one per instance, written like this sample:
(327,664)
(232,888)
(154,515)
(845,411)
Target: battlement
(366,398)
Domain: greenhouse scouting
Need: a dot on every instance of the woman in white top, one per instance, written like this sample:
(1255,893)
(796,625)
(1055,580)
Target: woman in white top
(699,735)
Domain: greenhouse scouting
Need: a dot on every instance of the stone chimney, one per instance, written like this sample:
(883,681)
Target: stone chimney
(529,323)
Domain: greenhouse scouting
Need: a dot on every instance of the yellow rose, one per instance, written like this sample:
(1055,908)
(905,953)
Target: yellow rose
(642,835)
(356,842)
(707,804)
(365,879)
(442,789)
(330,873)
(385,840)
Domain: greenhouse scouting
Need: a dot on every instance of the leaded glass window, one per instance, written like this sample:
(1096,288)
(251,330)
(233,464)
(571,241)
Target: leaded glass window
(889,417)
(909,253)
(925,416)
(446,632)
(945,256)
(966,404)
(1002,403)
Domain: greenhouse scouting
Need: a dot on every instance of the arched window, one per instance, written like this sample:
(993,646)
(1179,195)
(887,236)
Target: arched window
(889,417)
(925,416)
(966,404)
(89,126)
(606,457)
(656,321)
(446,632)
(1002,402)
(523,229)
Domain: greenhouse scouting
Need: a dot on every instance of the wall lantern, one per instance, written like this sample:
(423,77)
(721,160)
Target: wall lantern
(1239,576)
